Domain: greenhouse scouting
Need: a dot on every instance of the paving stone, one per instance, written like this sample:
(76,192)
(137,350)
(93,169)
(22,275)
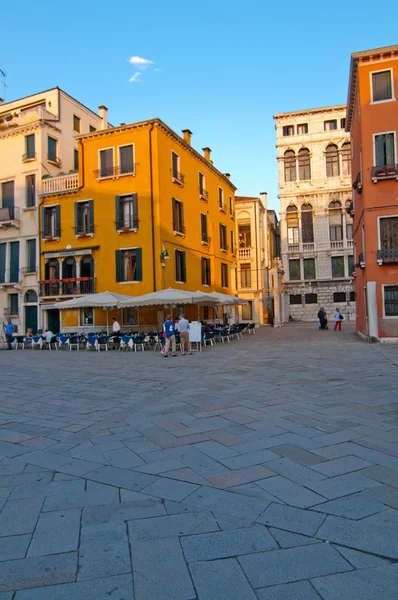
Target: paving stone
(56,533)
(91,497)
(228,523)
(25,479)
(385,494)
(302,590)
(293,564)
(336,487)
(252,489)
(121,478)
(382,474)
(232,505)
(225,544)
(250,459)
(294,472)
(48,489)
(355,506)
(153,562)
(378,540)
(79,467)
(186,475)
(6,595)
(298,455)
(38,571)
(123,458)
(121,512)
(216,450)
(14,547)
(4,495)
(160,467)
(290,492)
(221,580)
(286,539)
(224,437)
(239,477)
(367,584)
(20,516)
(340,466)
(104,551)
(387,518)
(119,587)
(169,489)
(172,526)
(336,438)
(45,459)
(291,519)
(361,560)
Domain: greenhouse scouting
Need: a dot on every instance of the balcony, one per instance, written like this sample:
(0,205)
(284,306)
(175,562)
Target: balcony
(222,207)
(384,172)
(28,157)
(336,245)
(308,247)
(179,229)
(63,184)
(387,255)
(293,248)
(9,312)
(127,225)
(232,214)
(9,217)
(54,160)
(362,260)
(29,270)
(67,287)
(350,244)
(205,239)
(357,183)
(244,253)
(178,177)
(115,172)
(204,195)
(224,248)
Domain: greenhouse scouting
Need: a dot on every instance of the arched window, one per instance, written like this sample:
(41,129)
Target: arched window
(348,221)
(51,269)
(69,268)
(335,221)
(307,224)
(346,158)
(332,161)
(304,164)
(290,166)
(292,220)
(87,275)
(30,297)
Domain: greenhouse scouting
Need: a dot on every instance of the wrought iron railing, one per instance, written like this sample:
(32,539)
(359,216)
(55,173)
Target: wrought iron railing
(387,255)
(54,159)
(204,194)
(222,207)
(127,169)
(205,238)
(179,228)
(362,259)
(28,156)
(67,287)
(9,214)
(178,177)
(51,233)
(357,183)
(127,224)
(380,172)
(28,270)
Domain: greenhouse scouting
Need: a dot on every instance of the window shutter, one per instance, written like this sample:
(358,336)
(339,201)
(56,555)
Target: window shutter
(380,151)
(2,263)
(174,214)
(118,212)
(138,270)
(135,211)
(91,212)
(183,267)
(32,255)
(182,217)
(58,220)
(76,218)
(221,244)
(390,151)
(14,262)
(43,222)
(118,265)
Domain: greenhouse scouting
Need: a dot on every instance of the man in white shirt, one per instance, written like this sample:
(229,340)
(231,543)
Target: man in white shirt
(48,336)
(115,327)
(183,328)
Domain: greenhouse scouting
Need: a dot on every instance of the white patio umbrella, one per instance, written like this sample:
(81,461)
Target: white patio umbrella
(225,299)
(169,296)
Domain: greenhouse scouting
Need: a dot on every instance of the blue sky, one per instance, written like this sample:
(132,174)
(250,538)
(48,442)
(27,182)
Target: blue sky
(221,68)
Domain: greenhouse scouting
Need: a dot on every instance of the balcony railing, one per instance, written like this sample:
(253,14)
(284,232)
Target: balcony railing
(232,214)
(293,248)
(177,177)
(336,245)
(54,159)
(205,239)
(9,312)
(29,270)
(357,183)
(204,194)
(244,253)
(84,230)
(224,248)
(384,172)
(51,234)
(308,247)
(127,225)
(350,244)
(387,255)
(222,207)
(9,217)
(28,156)
(60,185)
(362,260)
(67,287)
(179,229)
(106,172)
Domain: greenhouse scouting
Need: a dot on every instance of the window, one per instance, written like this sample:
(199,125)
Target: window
(245,276)
(206,274)
(292,220)
(76,123)
(294,269)
(84,217)
(221,199)
(178,216)
(231,207)
(385,150)
(288,130)
(350,264)
(232,234)
(389,233)
(51,221)
(309,268)
(332,161)
(129,265)
(381,86)
(106,162)
(352,296)
(30,297)
(86,316)
(13,304)
(304,164)
(391,300)
(8,199)
(342,123)
(75,159)
(290,166)
(126,159)
(180,266)
(311,298)
(31,256)
(3,248)
(175,168)
(335,221)
(346,158)
(223,237)
(224,275)
(302,128)
(203,228)
(307,224)
(202,186)
(30,187)
(247,311)
(30,146)
(126,212)
(338,266)
(295,299)
(244,235)
(330,125)
(339,297)
(348,220)
(52,149)
(14,262)
(130,316)
(92,129)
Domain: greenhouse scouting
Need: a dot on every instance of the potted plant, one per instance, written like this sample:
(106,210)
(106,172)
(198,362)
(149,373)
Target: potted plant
(125,228)
(82,233)
(48,236)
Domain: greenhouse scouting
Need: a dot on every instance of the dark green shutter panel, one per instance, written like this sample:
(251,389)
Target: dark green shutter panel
(64,269)
(118,212)
(92,267)
(91,212)
(118,265)
(138,270)
(58,221)
(183,267)
(2,263)
(203,270)
(43,222)
(14,262)
(135,211)
(32,255)
(76,218)
(174,214)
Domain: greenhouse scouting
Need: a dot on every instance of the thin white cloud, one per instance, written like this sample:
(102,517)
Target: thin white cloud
(135,77)
(140,63)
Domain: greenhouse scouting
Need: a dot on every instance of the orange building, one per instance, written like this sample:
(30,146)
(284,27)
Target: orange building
(372,120)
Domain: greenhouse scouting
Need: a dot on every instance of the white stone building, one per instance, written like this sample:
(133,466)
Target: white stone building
(314,171)
(36,144)
(258,273)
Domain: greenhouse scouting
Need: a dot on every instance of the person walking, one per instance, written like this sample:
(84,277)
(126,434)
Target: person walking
(115,327)
(323,322)
(9,331)
(338,317)
(169,329)
(183,328)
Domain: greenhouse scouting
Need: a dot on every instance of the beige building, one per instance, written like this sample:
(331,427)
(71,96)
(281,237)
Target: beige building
(314,172)
(258,273)
(36,143)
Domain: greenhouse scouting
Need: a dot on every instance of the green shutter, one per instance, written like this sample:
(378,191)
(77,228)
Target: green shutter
(118,202)
(76,218)
(380,151)
(138,270)
(14,262)
(91,212)
(119,266)
(2,263)
(390,150)
(135,211)
(174,214)
(43,222)
(183,267)
(58,220)
(32,255)
(203,270)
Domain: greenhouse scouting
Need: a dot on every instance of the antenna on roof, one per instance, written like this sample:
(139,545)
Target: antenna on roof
(4,75)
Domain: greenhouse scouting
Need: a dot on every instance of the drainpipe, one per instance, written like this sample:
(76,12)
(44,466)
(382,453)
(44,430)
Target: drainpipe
(152,208)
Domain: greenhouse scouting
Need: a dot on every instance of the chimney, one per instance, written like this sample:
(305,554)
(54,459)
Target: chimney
(103,113)
(187,136)
(1,101)
(263,196)
(228,175)
(206,153)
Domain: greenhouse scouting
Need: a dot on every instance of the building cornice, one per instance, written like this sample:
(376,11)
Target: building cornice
(11,131)
(309,111)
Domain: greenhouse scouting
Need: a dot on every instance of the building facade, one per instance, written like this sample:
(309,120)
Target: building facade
(258,273)
(36,142)
(372,120)
(146,213)
(314,172)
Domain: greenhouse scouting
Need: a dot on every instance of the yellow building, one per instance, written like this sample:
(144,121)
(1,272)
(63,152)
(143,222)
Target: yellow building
(146,212)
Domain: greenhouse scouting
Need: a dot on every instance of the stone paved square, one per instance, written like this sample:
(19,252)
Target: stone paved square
(223,476)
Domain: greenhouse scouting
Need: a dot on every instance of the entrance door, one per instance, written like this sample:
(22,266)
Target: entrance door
(53,320)
(31,318)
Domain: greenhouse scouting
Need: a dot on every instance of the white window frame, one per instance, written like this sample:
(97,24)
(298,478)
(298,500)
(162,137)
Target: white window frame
(374,143)
(131,173)
(378,228)
(85,324)
(132,281)
(392,99)
(99,177)
(384,285)
(126,195)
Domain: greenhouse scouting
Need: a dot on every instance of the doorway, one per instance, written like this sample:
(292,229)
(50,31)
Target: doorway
(31,318)
(53,320)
